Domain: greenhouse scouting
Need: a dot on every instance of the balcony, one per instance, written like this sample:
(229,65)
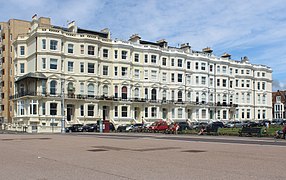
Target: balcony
(120,99)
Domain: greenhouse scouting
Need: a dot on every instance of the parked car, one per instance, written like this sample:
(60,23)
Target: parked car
(74,128)
(217,123)
(159,126)
(183,126)
(135,127)
(198,125)
(277,122)
(234,124)
(146,126)
(263,122)
(122,127)
(250,124)
(92,127)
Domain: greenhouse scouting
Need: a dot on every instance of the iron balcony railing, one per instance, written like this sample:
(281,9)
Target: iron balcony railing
(114,98)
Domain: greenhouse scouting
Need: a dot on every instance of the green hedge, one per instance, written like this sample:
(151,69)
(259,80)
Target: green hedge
(270,132)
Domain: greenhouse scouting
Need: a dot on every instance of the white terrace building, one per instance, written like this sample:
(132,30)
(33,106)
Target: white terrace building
(95,77)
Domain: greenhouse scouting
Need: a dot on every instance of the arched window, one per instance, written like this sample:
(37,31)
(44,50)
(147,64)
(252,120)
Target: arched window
(90,90)
(230,99)
(71,90)
(164,95)
(248,97)
(71,87)
(224,99)
(53,87)
(124,92)
(153,94)
(146,93)
(180,96)
(264,99)
(204,98)
(189,96)
(218,98)
(136,92)
(105,90)
(211,97)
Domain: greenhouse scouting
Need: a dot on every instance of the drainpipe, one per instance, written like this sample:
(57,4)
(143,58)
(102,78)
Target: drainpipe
(254,95)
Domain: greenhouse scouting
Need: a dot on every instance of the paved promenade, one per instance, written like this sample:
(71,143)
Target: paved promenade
(139,156)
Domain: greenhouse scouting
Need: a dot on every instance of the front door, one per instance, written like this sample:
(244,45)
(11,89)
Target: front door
(70,112)
(105,112)
(164,113)
(136,113)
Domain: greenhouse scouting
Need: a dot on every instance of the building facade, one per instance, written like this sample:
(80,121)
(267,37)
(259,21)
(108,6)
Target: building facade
(9,32)
(278,104)
(83,76)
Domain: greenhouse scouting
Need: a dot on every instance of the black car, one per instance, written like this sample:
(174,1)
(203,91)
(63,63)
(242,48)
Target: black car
(199,125)
(218,124)
(277,122)
(183,126)
(250,124)
(74,128)
(92,127)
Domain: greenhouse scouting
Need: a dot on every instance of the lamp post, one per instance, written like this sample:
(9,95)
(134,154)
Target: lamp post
(63,106)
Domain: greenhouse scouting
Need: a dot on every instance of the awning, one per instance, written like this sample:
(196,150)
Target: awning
(36,75)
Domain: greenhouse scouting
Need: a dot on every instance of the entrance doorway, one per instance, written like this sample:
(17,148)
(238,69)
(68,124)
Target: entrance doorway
(105,112)
(164,113)
(136,113)
(70,112)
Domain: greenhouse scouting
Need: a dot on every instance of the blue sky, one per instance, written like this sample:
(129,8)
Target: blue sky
(252,28)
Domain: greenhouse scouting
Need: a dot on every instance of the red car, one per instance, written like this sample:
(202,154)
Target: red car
(159,126)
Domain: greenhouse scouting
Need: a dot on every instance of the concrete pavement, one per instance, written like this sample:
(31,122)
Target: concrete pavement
(139,156)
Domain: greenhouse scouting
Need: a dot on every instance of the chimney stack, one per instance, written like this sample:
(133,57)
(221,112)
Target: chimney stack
(135,38)
(163,43)
(186,47)
(72,27)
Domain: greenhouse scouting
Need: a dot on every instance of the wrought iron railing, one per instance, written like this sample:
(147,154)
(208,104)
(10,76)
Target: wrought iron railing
(113,98)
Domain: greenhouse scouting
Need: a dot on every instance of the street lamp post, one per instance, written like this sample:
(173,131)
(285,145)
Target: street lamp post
(63,106)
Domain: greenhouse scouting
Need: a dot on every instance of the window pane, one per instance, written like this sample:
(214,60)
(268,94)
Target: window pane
(53,63)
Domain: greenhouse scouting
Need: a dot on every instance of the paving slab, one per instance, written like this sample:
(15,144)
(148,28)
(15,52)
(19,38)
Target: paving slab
(138,156)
